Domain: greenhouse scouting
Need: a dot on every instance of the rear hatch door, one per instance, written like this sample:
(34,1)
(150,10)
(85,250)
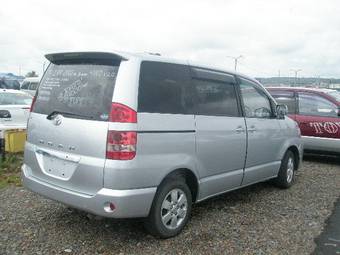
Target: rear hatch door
(14,109)
(67,130)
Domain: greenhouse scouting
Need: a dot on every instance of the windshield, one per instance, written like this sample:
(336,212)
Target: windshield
(15,99)
(78,89)
(335,94)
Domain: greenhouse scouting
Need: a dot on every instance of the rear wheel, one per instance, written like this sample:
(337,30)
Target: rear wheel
(286,175)
(171,209)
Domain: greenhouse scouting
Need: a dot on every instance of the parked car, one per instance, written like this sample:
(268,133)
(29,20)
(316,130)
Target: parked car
(317,113)
(30,85)
(9,84)
(14,109)
(136,135)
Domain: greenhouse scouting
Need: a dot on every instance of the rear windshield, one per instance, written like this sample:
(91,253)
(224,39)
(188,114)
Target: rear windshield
(77,90)
(15,99)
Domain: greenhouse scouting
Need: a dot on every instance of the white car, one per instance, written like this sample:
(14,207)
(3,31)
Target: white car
(30,85)
(14,109)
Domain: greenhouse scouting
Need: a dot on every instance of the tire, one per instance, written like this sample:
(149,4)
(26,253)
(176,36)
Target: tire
(286,176)
(167,217)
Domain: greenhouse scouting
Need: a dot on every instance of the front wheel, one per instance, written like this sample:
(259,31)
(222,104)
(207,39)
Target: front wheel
(286,176)
(170,210)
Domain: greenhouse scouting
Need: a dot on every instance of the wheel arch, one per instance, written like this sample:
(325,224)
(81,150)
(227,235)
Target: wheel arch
(190,179)
(294,149)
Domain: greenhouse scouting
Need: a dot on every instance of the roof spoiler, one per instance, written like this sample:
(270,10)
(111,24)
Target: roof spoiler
(56,57)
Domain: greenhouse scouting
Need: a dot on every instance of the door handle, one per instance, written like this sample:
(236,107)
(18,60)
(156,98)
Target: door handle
(239,129)
(252,129)
(57,155)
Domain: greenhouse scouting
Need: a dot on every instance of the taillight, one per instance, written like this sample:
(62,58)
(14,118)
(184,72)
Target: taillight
(121,145)
(122,113)
(33,102)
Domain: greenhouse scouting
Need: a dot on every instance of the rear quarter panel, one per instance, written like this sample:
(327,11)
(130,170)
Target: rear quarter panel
(162,146)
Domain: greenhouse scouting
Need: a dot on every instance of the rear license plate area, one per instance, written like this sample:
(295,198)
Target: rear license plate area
(58,168)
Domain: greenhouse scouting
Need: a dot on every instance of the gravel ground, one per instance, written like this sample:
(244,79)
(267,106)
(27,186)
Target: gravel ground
(260,219)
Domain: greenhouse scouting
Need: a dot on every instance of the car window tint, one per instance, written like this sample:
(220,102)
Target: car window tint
(286,98)
(215,98)
(163,88)
(25,85)
(256,102)
(335,94)
(312,104)
(33,85)
(81,89)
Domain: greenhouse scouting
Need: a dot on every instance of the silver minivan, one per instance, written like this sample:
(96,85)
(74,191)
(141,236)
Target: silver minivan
(137,135)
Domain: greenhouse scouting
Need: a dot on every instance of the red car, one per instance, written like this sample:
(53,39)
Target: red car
(317,111)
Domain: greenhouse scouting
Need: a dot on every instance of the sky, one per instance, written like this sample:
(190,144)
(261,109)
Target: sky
(272,36)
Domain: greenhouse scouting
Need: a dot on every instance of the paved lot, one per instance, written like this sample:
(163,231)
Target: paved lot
(329,241)
(260,219)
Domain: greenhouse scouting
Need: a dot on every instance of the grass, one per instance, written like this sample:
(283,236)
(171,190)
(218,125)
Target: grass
(10,170)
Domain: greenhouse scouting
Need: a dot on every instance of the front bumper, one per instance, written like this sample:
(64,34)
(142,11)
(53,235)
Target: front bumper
(301,151)
(129,203)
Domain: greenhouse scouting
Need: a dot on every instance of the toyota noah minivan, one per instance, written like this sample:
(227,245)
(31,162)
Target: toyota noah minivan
(137,135)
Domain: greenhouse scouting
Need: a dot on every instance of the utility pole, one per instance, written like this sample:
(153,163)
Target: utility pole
(235,60)
(296,74)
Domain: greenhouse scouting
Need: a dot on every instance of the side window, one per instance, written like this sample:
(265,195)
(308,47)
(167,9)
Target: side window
(312,104)
(215,98)
(162,88)
(256,102)
(287,98)
(33,85)
(25,85)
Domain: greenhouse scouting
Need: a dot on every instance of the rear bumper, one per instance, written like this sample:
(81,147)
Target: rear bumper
(129,203)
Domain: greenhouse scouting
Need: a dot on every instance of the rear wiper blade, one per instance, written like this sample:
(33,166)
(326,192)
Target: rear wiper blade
(52,114)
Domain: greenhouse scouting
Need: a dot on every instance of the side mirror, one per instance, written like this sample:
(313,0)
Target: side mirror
(281,111)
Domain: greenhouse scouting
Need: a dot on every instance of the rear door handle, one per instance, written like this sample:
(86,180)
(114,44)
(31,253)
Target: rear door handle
(252,129)
(239,129)
(58,155)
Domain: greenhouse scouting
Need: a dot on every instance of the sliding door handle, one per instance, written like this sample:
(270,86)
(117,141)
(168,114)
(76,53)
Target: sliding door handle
(252,129)
(240,129)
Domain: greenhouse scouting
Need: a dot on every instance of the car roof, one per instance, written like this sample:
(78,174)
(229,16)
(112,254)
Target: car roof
(12,91)
(141,56)
(32,79)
